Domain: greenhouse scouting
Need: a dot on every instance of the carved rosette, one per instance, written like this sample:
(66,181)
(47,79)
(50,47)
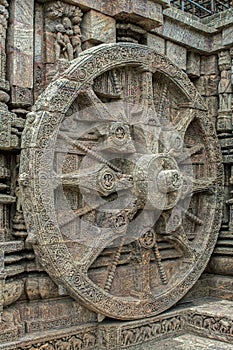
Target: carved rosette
(122,191)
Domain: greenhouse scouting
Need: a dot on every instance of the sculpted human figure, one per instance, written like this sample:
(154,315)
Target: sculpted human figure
(68,51)
(63,46)
(66,22)
(76,41)
(60,43)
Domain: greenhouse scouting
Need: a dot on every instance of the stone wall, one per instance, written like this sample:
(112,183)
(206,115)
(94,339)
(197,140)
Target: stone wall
(39,41)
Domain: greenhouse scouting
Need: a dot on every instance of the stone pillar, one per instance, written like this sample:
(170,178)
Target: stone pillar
(224,127)
(221,262)
(21,52)
(204,72)
(7,139)
(97,28)
(224,123)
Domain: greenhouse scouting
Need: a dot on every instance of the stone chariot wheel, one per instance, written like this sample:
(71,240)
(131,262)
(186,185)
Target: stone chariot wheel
(122,181)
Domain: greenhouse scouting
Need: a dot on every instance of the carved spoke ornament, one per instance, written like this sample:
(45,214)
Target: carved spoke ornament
(122,181)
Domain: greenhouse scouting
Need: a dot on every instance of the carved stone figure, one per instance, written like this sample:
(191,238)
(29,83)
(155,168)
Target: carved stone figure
(198,320)
(208,322)
(128,337)
(67,31)
(60,43)
(156,329)
(76,40)
(76,343)
(224,326)
(89,340)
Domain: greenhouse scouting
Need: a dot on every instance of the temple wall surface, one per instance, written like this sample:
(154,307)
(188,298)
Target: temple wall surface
(35,311)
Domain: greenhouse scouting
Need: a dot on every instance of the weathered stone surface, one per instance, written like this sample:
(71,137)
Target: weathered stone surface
(190,37)
(209,64)
(128,32)
(193,64)
(21,44)
(221,265)
(227,35)
(143,8)
(150,12)
(113,65)
(98,28)
(192,342)
(156,42)
(212,104)
(177,54)
(207,85)
(104,145)
(224,60)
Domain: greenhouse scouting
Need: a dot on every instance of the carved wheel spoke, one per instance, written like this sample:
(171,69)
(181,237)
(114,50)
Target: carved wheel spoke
(132,182)
(182,243)
(188,116)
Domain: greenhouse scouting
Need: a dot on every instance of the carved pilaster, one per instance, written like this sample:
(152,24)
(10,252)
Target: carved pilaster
(204,72)
(8,137)
(5,201)
(224,123)
(20,52)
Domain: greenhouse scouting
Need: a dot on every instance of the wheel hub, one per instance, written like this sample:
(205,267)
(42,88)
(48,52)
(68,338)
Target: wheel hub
(157,179)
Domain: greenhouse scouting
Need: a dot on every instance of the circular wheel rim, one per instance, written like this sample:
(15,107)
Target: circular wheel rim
(41,130)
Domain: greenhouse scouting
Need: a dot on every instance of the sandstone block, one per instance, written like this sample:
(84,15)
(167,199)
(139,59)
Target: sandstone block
(156,42)
(98,28)
(21,43)
(227,36)
(209,64)
(207,85)
(177,54)
(193,64)
(212,105)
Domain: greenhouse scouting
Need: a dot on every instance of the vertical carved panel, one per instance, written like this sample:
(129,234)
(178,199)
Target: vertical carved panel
(21,52)
(57,40)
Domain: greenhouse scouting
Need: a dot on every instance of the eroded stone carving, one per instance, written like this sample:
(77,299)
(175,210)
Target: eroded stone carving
(66,21)
(110,227)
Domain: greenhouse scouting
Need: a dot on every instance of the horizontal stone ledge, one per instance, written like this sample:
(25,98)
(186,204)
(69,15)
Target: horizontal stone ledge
(185,29)
(12,246)
(6,199)
(228,159)
(185,36)
(112,8)
(221,265)
(189,20)
(219,20)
